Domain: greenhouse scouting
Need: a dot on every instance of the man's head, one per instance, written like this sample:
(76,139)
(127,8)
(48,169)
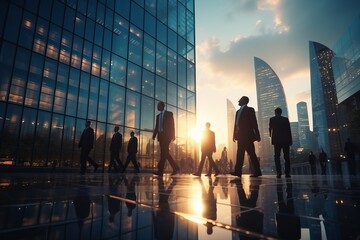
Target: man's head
(243,101)
(132,134)
(88,123)
(116,129)
(278,111)
(161,106)
(207,125)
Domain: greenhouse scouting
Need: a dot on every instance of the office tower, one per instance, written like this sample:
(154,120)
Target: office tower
(304,129)
(270,95)
(324,100)
(65,62)
(346,66)
(232,148)
(295,135)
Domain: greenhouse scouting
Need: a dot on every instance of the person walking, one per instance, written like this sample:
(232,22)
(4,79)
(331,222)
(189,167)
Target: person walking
(207,149)
(322,161)
(115,147)
(280,133)
(165,133)
(246,131)
(86,143)
(312,162)
(132,151)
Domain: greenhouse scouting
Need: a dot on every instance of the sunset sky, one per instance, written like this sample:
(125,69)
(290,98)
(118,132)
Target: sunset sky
(229,33)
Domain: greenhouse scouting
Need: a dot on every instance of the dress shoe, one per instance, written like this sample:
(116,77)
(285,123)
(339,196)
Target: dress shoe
(196,174)
(158,174)
(217,174)
(235,174)
(255,175)
(208,175)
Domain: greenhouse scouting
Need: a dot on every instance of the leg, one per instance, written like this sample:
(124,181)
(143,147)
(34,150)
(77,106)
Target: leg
(134,161)
(172,162)
(239,158)
(83,157)
(213,165)
(250,148)
(164,150)
(277,151)
(202,161)
(117,153)
(126,162)
(286,150)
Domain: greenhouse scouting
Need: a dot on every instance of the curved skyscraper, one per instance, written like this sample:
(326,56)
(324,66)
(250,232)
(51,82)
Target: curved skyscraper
(270,95)
(324,99)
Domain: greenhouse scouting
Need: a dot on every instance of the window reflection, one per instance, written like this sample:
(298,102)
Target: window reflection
(132,115)
(135,45)
(147,113)
(134,77)
(116,104)
(41,140)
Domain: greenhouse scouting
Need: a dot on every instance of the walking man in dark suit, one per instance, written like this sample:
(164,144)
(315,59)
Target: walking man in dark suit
(165,132)
(246,131)
(86,143)
(280,133)
(132,150)
(207,149)
(115,147)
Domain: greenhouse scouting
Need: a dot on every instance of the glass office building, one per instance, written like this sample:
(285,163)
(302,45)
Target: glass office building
(324,100)
(270,95)
(304,126)
(63,62)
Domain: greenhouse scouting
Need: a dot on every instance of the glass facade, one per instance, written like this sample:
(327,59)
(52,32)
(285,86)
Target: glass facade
(304,126)
(270,95)
(324,100)
(63,62)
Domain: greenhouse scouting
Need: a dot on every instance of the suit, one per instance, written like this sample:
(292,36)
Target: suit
(165,134)
(207,149)
(280,133)
(86,143)
(246,131)
(115,147)
(132,150)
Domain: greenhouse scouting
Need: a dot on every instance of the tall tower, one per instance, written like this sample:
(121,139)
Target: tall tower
(270,95)
(231,111)
(65,62)
(304,129)
(324,99)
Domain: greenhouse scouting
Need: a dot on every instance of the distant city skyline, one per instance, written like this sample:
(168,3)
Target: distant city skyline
(278,32)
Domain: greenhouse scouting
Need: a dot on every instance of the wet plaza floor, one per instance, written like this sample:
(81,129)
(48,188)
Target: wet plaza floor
(141,206)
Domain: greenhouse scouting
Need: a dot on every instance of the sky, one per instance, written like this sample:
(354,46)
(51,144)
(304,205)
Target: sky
(230,33)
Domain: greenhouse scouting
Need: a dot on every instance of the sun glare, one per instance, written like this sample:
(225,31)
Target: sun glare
(196,134)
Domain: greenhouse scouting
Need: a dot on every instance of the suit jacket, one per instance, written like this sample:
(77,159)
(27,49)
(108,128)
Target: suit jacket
(280,131)
(132,145)
(208,142)
(116,142)
(247,129)
(168,132)
(87,139)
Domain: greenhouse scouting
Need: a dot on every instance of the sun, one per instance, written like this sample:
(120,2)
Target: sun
(195,133)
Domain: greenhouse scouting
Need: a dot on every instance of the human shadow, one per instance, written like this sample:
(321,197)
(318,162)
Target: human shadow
(209,204)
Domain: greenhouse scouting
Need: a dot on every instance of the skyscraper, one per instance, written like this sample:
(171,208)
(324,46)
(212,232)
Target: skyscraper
(324,99)
(232,148)
(304,129)
(65,62)
(270,95)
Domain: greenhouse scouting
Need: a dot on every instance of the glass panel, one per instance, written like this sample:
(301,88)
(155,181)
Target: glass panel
(136,45)
(7,55)
(89,30)
(190,29)
(149,53)
(105,67)
(162,10)
(79,128)
(181,21)
(27,135)
(191,101)
(148,83)
(107,39)
(40,38)
(150,24)
(57,15)
(172,40)
(132,115)
(83,95)
(161,59)
(48,85)
(171,94)
(120,36)
(150,6)
(11,131)
(137,15)
(116,104)
(53,46)
(34,81)
(134,77)
(173,8)
(61,88)
(68,142)
(72,95)
(77,50)
(190,53)
(96,63)
(99,145)
(181,98)
(70,19)
(160,89)
(147,113)
(99,34)
(57,127)
(182,127)
(80,24)
(146,150)
(27,30)
(65,49)
(191,77)
(45,9)
(181,71)
(118,70)
(41,140)
(161,32)
(100,14)
(103,100)
(181,46)
(91,11)
(87,56)
(93,98)
(13,23)
(172,66)
(123,8)
(109,19)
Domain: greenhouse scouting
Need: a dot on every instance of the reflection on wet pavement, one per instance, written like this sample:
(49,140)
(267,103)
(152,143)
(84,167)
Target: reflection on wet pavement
(140,206)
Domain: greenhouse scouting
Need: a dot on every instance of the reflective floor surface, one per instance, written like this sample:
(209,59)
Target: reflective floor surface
(140,206)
